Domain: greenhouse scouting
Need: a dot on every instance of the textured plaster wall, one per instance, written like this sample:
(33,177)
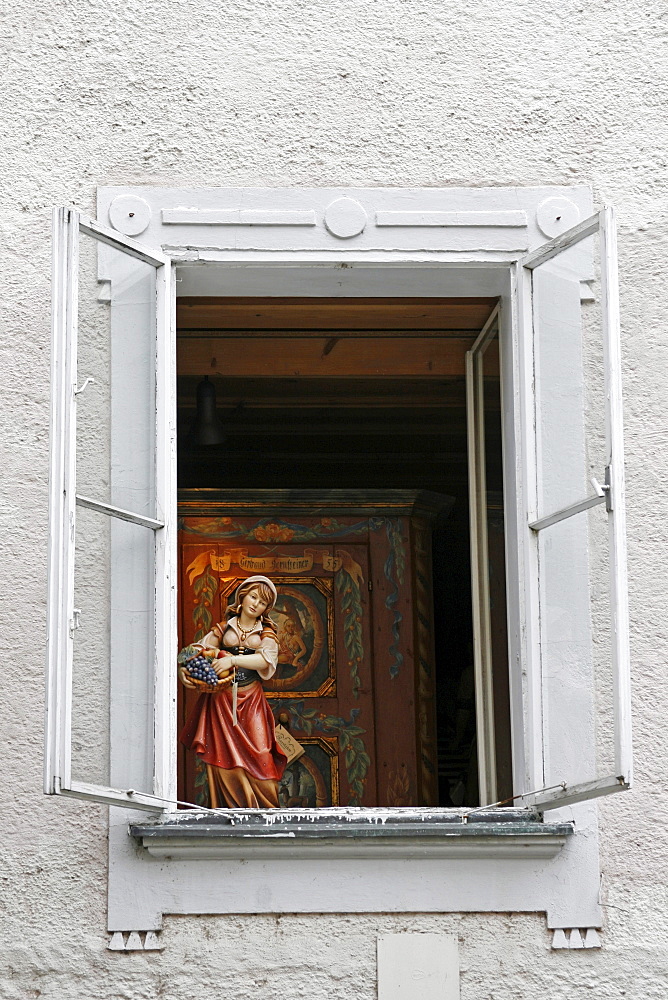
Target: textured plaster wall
(303,93)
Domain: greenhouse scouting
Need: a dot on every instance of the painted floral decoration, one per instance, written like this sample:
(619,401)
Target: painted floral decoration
(273,532)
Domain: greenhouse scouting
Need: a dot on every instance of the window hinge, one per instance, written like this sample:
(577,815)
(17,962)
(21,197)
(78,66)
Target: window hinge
(608,487)
(603,489)
(370,585)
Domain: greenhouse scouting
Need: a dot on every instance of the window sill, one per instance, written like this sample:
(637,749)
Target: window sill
(352,833)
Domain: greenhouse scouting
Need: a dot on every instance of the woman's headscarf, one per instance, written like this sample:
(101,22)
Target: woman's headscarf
(257,579)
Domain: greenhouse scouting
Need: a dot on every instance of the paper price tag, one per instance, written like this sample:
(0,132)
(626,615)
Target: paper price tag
(288,744)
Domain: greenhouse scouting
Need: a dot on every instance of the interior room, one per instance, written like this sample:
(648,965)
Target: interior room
(342,400)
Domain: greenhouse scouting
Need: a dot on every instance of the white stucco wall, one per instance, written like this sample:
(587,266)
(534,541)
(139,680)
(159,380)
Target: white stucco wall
(296,93)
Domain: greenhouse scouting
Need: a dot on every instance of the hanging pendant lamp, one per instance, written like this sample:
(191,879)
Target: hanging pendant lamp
(207,428)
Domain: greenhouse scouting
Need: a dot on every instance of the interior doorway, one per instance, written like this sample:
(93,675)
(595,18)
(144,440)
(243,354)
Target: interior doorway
(363,394)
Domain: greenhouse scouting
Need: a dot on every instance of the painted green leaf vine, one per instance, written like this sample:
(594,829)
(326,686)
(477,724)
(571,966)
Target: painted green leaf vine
(351,605)
(205,588)
(357,761)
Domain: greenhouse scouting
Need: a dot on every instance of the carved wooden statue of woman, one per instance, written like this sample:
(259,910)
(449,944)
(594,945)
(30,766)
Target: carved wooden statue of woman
(231,728)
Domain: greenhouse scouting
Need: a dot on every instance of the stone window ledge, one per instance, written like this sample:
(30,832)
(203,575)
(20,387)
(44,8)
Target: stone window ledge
(352,833)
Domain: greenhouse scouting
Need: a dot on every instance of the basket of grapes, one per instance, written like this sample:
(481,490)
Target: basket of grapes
(196,669)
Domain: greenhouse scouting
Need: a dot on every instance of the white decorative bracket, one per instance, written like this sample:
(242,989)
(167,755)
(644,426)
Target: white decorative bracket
(576,937)
(135,941)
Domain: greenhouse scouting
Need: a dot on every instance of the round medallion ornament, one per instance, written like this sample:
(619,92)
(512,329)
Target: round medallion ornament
(555,215)
(129,214)
(345,217)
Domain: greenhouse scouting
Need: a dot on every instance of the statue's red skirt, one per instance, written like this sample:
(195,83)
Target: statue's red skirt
(250,745)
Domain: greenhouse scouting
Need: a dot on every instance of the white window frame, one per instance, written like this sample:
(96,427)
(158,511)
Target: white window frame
(610,492)
(481,605)
(467,232)
(68,225)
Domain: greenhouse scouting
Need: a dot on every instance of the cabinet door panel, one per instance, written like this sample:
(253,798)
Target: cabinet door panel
(394,664)
(342,718)
(322,690)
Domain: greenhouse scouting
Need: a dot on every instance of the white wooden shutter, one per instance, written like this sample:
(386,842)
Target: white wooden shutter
(576,583)
(111,614)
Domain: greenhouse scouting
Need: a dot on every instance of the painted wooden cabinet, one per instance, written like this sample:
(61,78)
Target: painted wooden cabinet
(355,678)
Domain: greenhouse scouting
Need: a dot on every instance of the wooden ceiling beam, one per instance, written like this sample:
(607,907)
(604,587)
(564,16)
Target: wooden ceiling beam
(217,313)
(398,334)
(318,357)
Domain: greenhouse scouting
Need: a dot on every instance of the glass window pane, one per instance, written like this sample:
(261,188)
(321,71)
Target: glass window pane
(496,563)
(569,373)
(113,653)
(116,348)
(576,647)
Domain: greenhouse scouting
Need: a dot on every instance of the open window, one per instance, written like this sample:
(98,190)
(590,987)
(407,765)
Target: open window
(488,592)
(344,470)
(111,728)
(578,656)
(111,564)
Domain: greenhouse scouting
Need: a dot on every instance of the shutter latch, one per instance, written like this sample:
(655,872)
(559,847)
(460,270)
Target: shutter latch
(75,621)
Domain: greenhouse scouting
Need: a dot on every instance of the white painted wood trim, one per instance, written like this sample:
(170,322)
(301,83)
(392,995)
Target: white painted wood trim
(349,833)
(108,796)
(472,223)
(560,243)
(193,254)
(513,220)
(61,499)
(527,544)
(166,554)
(621,654)
(68,485)
(488,332)
(145,889)
(68,224)
(604,223)
(119,242)
(565,512)
(326,849)
(236,217)
(568,795)
(514,527)
(480,597)
(120,512)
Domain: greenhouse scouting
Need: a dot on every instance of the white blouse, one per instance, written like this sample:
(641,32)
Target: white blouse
(267,647)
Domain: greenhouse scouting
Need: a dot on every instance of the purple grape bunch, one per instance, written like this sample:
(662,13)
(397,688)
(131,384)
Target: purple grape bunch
(200,669)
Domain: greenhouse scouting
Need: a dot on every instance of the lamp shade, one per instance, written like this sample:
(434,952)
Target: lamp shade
(207,428)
